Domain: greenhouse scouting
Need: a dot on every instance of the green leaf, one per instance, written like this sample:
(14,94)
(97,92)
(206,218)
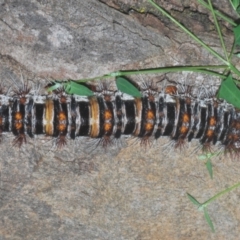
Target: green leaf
(78,89)
(55,86)
(209,167)
(202,157)
(236,32)
(237,54)
(206,156)
(235,3)
(193,200)
(209,221)
(230,92)
(125,86)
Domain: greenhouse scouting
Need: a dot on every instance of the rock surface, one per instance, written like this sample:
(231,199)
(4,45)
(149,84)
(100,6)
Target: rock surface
(124,192)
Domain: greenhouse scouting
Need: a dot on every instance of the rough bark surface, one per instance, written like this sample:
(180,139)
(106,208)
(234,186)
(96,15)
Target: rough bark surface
(124,192)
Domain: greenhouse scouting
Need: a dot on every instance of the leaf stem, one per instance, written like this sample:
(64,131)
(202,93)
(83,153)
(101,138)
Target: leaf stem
(214,53)
(201,69)
(218,30)
(169,69)
(218,13)
(234,69)
(219,194)
(235,7)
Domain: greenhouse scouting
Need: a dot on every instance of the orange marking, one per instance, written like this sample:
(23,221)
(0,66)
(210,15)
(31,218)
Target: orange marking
(18,116)
(62,116)
(61,127)
(148,127)
(210,133)
(171,89)
(108,114)
(107,127)
(183,130)
(1,121)
(185,118)
(212,121)
(150,115)
(18,125)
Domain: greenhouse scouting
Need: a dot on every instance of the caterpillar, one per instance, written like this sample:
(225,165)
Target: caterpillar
(176,112)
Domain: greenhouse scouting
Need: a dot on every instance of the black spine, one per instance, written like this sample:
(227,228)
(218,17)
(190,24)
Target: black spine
(171,114)
(143,120)
(84,115)
(39,109)
(14,111)
(101,116)
(130,115)
(56,108)
(73,107)
(29,108)
(118,103)
(161,117)
(5,111)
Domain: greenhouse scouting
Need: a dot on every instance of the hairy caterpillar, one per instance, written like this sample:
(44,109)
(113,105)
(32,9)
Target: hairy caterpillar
(174,111)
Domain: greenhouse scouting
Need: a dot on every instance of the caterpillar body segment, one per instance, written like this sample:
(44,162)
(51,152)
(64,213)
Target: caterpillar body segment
(110,115)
